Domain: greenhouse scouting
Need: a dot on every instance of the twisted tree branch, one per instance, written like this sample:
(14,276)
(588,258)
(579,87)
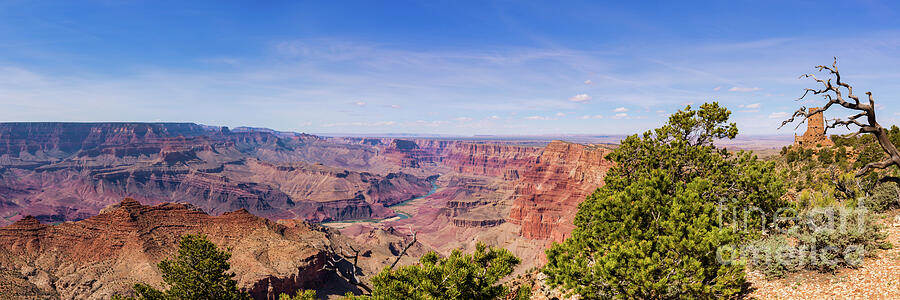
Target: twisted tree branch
(333,259)
(833,93)
(404,249)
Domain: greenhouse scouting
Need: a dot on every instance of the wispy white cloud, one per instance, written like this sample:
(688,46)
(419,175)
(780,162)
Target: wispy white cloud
(778,115)
(588,82)
(425,123)
(541,118)
(580,98)
(744,89)
(620,116)
(620,109)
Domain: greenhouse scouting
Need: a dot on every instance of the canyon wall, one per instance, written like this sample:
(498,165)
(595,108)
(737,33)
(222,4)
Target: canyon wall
(504,161)
(546,198)
(59,139)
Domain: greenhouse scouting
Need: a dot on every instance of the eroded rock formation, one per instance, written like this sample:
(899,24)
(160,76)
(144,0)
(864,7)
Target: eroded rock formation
(548,194)
(514,195)
(504,161)
(106,254)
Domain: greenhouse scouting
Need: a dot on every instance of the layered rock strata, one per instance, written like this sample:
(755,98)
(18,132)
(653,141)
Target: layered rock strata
(106,254)
(546,198)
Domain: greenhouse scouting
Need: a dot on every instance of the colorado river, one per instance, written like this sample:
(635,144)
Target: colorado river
(400,214)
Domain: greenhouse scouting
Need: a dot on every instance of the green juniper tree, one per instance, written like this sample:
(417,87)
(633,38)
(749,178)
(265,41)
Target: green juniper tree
(199,271)
(458,276)
(652,231)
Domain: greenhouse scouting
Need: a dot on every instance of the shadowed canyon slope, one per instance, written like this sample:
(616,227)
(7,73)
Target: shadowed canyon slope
(69,171)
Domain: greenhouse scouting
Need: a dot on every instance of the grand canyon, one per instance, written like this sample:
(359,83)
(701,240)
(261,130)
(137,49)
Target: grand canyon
(458,150)
(84,203)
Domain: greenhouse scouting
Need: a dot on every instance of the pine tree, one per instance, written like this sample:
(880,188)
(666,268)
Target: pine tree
(458,276)
(199,271)
(653,230)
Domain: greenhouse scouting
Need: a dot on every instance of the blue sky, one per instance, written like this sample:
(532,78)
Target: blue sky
(439,67)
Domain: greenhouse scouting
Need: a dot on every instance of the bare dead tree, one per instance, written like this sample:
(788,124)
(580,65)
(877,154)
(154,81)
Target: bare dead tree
(414,234)
(332,263)
(833,90)
(335,256)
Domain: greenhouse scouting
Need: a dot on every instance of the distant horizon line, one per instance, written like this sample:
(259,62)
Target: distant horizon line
(382,134)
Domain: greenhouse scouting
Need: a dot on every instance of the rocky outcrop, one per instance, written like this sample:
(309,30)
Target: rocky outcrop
(106,254)
(546,198)
(395,188)
(505,161)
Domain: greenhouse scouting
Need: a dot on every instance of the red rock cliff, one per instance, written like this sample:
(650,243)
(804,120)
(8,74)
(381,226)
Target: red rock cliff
(546,198)
(505,161)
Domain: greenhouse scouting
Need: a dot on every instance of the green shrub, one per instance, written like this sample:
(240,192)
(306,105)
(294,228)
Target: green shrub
(883,197)
(838,236)
(458,276)
(812,198)
(824,239)
(840,155)
(301,295)
(773,256)
(826,156)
